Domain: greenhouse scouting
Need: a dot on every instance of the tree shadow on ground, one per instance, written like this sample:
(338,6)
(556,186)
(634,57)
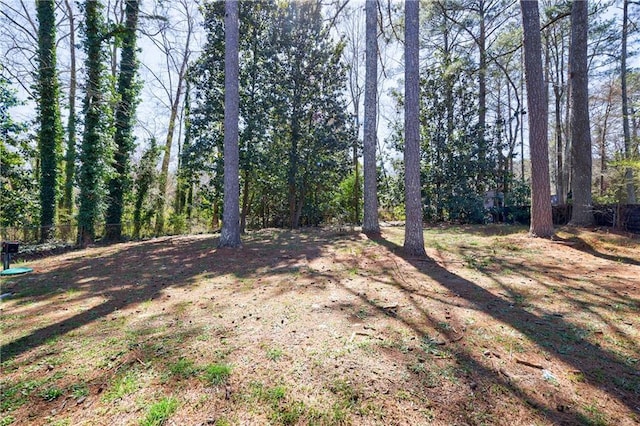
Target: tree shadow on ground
(584,246)
(605,370)
(128,274)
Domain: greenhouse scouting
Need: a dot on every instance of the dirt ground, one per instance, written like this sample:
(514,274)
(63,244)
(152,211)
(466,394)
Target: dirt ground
(326,326)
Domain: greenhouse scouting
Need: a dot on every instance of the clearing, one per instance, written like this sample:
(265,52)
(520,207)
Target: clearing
(326,327)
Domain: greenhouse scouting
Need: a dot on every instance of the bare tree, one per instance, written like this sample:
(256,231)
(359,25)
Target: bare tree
(173,39)
(413,238)
(541,220)
(230,233)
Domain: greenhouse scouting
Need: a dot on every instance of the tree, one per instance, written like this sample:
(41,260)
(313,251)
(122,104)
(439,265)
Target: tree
(414,238)
(70,155)
(370,224)
(144,181)
(96,136)
(176,61)
(50,134)
(628,150)
(230,233)
(541,219)
(124,140)
(582,212)
(18,186)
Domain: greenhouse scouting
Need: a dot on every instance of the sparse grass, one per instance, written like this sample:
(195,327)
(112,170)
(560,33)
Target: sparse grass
(51,393)
(485,297)
(6,421)
(274,354)
(594,416)
(122,385)
(183,368)
(160,412)
(217,374)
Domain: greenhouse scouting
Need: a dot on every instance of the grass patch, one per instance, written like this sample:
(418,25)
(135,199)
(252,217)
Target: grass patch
(160,412)
(217,374)
(6,421)
(274,354)
(122,385)
(51,393)
(183,368)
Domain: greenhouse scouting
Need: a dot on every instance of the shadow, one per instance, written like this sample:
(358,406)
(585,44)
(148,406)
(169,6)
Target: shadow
(581,245)
(127,274)
(606,371)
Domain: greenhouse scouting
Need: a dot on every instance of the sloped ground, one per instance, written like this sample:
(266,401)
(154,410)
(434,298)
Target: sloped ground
(324,327)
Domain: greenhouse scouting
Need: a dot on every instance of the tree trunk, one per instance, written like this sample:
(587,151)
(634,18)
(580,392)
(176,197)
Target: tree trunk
(370,224)
(628,151)
(50,134)
(93,150)
(413,238)
(582,212)
(175,105)
(124,121)
(541,221)
(230,234)
(70,157)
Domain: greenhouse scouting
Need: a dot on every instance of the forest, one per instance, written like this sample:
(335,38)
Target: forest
(293,212)
(113,114)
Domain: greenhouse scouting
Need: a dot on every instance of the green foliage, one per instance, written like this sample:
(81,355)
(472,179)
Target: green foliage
(50,394)
(124,140)
(294,130)
(96,146)
(146,176)
(160,412)
(345,201)
(18,186)
(50,134)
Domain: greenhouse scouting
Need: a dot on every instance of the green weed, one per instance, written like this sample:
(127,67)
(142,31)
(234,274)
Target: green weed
(6,421)
(160,412)
(51,393)
(274,354)
(121,386)
(183,368)
(217,374)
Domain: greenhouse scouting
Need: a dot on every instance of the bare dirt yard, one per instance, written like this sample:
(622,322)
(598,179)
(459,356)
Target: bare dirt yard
(326,327)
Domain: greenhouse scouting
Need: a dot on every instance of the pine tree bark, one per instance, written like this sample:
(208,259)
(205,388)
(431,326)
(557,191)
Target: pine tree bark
(50,134)
(541,219)
(582,212)
(628,150)
(230,234)
(70,157)
(370,224)
(413,238)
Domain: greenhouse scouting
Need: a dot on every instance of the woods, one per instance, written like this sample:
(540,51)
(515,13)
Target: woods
(446,135)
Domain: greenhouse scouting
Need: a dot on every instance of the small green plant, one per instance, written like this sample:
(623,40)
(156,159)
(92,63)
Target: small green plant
(217,374)
(79,390)
(160,412)
(51,393)
(6,421)
(183,368)
(595,417)
(121,386)
(274,354)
